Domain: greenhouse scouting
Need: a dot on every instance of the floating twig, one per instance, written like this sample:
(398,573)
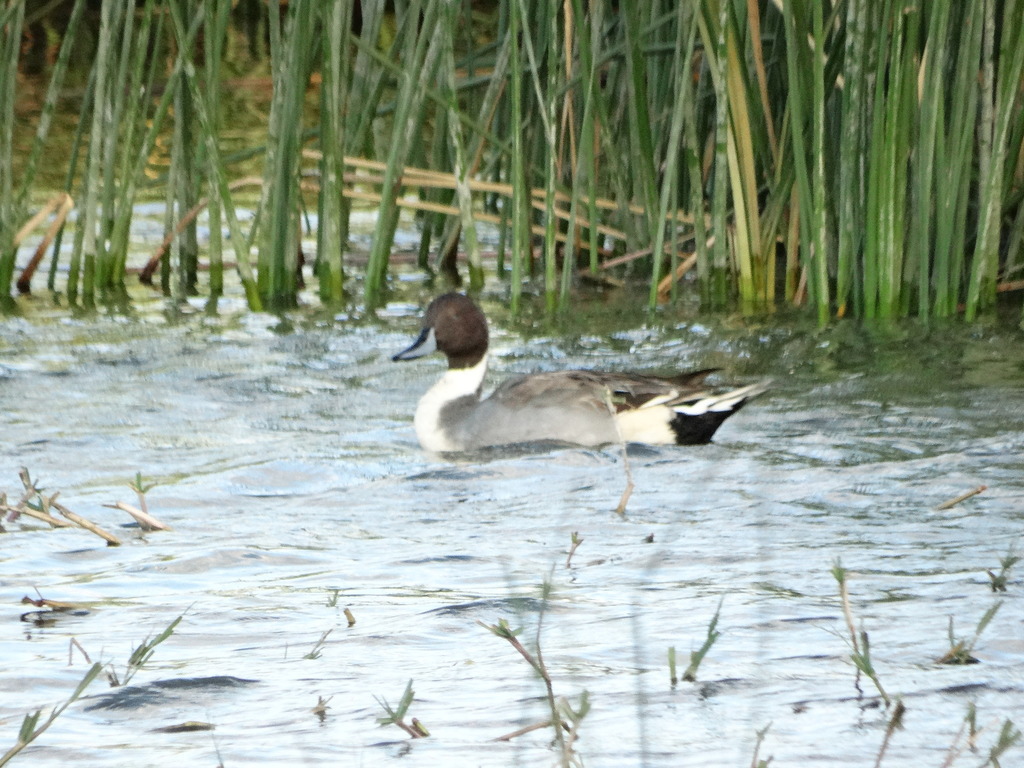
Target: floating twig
(962,497)
(53,605)
(71,650)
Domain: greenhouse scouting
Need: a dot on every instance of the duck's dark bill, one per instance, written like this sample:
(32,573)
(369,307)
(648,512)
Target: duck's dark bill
(424,345)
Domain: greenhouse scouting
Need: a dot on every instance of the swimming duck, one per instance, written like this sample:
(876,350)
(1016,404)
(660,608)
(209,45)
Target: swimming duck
(581,407)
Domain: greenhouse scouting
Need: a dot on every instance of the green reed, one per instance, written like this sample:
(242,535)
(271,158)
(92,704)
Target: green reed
(217,175)
(11,18)
(859,158)
(215,22)
(290,54)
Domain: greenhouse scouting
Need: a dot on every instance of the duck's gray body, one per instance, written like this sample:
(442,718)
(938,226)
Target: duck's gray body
(580,407)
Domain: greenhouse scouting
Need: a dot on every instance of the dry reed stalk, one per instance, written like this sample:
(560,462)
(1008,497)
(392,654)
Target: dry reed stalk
(424,177)
(37,514)
(666,282)
(145,520)
(844,597)
(526,729)
(111,539)
(59,606)
(62,204)
(146,275)
(58,201)
(490,218)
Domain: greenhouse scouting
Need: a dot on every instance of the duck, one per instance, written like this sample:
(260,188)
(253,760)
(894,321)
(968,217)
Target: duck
(576,407)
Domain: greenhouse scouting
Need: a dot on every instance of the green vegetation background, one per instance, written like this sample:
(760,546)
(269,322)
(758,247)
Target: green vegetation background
(861,157)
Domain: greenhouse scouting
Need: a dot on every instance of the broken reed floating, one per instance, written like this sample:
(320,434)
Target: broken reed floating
(863,158)
(37,505)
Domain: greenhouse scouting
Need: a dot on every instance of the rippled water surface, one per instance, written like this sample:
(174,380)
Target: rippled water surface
(286,464)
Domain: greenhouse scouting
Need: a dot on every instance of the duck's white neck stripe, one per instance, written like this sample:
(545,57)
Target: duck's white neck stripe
(459,382)
(456,383)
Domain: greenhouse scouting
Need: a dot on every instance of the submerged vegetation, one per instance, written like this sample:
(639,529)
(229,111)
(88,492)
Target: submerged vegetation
(863,157)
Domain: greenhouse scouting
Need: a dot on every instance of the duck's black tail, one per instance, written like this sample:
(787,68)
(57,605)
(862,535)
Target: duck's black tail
(698,418)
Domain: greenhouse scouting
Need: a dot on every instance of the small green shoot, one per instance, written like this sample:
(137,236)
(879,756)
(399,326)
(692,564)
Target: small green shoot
(30,730)
(574,718)
(696,657)
(397,715)
(1009,735)
(755,761)
(315,653)
(860,653)
(1000,580)
(504,631)
(141,489)
(673,678)
(960,650)
(564,719)
(141,655)
(332,601)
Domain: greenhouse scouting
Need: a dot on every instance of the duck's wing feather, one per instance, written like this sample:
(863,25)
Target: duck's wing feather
(595,390)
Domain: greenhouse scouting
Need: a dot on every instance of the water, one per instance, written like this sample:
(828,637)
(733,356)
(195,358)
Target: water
(287,466)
